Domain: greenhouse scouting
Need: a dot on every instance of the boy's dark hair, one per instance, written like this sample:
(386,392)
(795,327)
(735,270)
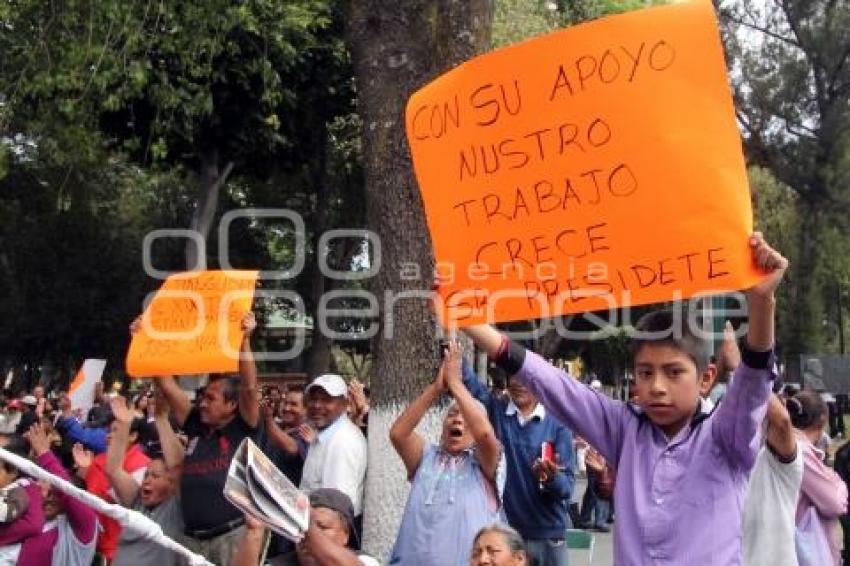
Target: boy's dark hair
(667,328)
(806,408)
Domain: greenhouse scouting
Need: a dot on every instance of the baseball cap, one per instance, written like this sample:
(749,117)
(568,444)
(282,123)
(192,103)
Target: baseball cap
(330,498)
(14,404)
(29,400)
(330,382)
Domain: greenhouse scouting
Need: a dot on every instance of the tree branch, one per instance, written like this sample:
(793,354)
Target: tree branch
(768,156)
(764,30)
(809,52)
(794,129)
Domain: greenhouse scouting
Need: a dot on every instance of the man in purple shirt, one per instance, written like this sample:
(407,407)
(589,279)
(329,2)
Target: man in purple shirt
(682,470)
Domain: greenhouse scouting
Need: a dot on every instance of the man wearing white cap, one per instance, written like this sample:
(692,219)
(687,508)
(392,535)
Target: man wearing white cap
(337,458)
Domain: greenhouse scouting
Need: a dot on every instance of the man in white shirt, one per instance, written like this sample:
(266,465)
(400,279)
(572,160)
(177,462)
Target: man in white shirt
(337,457)
(771,499)
(771,502)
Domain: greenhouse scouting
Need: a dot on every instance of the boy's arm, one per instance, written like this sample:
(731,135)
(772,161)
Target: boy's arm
(761,298)
(588,413)
(743,408)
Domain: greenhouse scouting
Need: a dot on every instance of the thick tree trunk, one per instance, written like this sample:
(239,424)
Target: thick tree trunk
(211,181)
(318,357)
(806,335)
(398,47)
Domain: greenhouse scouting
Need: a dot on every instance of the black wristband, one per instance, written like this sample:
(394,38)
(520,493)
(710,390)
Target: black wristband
(779,457)
(512,358)
(756,360)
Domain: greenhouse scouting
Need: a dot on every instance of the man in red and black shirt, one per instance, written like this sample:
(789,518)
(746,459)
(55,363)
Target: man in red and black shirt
(228,412)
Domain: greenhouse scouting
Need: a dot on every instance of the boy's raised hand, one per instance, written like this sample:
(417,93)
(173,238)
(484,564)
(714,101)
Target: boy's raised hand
(770,262)
(761,305)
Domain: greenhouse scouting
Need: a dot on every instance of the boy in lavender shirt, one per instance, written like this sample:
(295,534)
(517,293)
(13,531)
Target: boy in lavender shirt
(682,469)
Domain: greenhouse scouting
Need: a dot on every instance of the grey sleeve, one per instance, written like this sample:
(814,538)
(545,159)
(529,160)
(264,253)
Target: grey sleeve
(13,504)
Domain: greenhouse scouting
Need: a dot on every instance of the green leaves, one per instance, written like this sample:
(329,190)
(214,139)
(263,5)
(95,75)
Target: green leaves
(792,93)
(5,160)
(183,74)
(515,20)
(105,109)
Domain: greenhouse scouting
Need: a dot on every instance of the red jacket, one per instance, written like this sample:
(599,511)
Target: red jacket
(98,484)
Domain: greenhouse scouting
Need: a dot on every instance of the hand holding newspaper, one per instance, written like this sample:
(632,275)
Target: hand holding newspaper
(257,487)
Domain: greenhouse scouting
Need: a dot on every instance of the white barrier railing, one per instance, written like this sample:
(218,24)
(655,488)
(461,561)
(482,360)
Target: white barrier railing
(128,518)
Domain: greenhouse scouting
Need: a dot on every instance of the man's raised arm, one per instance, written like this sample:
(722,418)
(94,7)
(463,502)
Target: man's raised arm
(249,403)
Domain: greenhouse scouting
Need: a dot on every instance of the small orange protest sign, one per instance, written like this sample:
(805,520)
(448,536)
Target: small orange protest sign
(595,167)
(192,325)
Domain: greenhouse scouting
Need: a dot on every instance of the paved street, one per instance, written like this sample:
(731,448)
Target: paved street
(603,548)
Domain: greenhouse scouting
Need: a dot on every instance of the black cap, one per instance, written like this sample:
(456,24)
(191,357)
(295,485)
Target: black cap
(330,498)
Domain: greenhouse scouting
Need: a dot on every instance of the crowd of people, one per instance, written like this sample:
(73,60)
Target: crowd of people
(741,479)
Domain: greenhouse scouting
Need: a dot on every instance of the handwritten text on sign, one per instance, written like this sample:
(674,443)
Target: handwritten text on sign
(595,167)
(192,326)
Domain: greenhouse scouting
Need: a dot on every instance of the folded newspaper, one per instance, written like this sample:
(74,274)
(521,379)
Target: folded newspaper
(258,488)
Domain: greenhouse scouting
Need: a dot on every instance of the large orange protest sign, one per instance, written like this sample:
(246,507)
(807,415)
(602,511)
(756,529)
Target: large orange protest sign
(192,325)
(594,167)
